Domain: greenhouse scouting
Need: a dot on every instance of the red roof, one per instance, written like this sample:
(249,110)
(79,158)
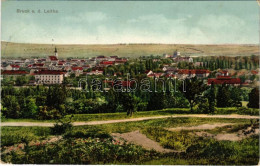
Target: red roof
(201,71)
(15,66)
(224,80)
(223,77)
(36,65)
(186,71)
(53,58)
(254,72)
(50,72)
(14,72)
(195,71)
(120,60)
(107,63)
(76,68)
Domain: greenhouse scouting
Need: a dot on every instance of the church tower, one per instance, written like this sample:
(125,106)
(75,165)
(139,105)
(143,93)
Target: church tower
(56,53)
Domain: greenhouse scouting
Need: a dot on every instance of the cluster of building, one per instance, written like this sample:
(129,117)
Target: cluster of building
(222,77)
(51,70)
(176,56)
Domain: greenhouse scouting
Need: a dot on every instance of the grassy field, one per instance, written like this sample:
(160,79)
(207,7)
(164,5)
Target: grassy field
(122,115)
(197,150)
(11,135)
(110,116)
(15,50)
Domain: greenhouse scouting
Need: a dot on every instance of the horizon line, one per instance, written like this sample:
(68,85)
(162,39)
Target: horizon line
(130,43)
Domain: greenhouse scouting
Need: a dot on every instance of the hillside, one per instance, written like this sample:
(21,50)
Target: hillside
(14,50)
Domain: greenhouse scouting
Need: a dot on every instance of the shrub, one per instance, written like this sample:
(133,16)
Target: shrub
(247,111)
(80,151)
(14,135)
(203,106)
(59,129)
(82,134)
(62,126)
(244,152)
(168,139)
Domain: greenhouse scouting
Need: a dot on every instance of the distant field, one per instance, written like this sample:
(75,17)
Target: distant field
(14,50)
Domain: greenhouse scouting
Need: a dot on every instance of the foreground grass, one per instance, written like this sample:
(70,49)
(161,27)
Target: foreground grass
(122,115)
(197,150)
(13,135)
(156,123)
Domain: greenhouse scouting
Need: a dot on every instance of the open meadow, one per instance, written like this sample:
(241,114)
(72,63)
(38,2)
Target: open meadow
(20,50)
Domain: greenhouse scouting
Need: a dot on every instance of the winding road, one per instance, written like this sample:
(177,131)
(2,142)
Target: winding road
(44,124)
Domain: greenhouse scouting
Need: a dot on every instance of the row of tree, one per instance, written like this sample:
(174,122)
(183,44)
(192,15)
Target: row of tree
(55,101)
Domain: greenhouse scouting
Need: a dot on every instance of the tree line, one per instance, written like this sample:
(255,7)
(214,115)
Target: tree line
(53,102)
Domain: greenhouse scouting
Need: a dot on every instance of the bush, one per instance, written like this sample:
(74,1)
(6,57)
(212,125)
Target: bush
(62,126)
(142,106)
(228,110)
(59,129)
(14,135)
(239,110)
(81,134)
(168,139)
(80,151)
(243,152)
(11,139)
(247,111)
(203,107)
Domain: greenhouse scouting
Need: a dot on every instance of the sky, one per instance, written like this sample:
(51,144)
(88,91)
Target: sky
(104,22)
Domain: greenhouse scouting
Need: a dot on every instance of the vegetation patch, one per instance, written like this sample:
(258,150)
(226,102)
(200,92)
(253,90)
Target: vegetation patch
(80,151)
(14,135)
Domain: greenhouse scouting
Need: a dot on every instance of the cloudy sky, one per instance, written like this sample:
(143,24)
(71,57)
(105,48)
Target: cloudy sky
(103,22)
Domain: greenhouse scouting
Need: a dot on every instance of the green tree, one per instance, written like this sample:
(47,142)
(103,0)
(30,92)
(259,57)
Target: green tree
(30,108)
(223,96)
(212,98)
(236,97)
(129,102)
(157,101)
(193,88)
(12,107)
(56,96)
(21,80)
(254,98)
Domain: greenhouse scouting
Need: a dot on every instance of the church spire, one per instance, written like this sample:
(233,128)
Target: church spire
(56,52)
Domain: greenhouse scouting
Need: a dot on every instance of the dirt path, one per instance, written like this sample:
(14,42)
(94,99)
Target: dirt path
(43,124)
(138,138)
(200,127)
(228,136)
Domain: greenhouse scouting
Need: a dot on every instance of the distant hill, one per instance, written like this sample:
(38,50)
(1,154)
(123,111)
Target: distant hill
(15,50)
